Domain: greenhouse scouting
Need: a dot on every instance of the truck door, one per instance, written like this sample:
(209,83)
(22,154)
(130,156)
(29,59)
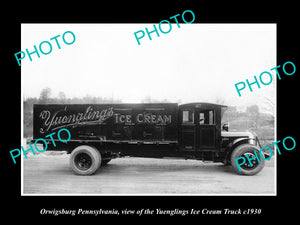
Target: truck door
(206,128)
(188,129)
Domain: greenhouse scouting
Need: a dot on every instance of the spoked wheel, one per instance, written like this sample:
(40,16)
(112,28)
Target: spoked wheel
(85,160)
(247,168)
(247,165)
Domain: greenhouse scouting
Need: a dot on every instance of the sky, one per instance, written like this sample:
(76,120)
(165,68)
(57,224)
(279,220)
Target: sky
(193,63)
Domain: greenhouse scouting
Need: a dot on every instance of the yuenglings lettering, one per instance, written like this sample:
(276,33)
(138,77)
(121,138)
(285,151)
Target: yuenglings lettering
(59,119)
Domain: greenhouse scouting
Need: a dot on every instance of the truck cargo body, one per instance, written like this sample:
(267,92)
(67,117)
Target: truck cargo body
(127,122)
(107,124)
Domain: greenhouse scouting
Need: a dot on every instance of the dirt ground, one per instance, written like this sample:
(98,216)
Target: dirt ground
(49,173)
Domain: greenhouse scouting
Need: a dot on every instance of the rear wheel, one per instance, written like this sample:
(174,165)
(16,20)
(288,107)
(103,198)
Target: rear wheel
(85,160)
(245,167)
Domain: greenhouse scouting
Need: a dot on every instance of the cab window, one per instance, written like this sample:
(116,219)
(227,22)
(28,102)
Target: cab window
(207,117)
(187,116)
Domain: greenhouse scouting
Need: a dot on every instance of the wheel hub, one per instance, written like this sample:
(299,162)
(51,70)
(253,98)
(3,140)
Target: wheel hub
(83,161)
(247,164)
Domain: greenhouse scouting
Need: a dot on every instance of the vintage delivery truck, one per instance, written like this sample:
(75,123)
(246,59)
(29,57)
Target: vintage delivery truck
(101,132)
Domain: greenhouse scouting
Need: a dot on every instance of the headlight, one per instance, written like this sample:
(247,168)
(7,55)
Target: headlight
(252,141)
(253,138)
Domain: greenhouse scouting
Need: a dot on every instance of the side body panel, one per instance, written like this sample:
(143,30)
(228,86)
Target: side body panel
(108,122)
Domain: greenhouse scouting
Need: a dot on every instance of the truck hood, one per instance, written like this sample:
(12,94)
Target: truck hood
(237,134)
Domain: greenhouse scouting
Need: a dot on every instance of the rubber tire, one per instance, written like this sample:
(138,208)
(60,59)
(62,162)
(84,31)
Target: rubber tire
(238,152)
(94,155)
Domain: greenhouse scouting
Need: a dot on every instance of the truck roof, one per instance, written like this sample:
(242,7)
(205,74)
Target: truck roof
(199,104)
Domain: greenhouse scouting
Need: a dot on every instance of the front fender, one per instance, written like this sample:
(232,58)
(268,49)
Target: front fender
(239,141)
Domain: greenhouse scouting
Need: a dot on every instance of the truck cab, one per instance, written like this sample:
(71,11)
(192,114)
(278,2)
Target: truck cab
(202,132)
(200,126)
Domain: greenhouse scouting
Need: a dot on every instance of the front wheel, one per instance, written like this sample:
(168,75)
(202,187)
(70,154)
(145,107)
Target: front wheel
(85,160)
(245,167)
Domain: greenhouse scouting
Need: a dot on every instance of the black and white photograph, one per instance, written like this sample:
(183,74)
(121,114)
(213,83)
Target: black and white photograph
(182,113)
(141,112)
